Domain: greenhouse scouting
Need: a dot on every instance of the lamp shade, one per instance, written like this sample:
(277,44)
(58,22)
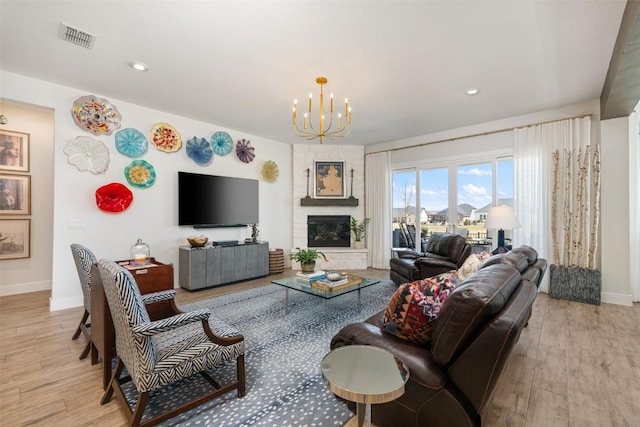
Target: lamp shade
(502,218)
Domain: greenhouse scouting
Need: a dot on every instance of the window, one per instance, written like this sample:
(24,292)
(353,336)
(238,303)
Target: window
(452,198)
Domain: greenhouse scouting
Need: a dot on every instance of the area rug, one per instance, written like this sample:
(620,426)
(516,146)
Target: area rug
(283,356)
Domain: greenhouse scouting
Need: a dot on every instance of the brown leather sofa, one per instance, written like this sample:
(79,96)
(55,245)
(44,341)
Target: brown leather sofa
(453,378)
(444,252)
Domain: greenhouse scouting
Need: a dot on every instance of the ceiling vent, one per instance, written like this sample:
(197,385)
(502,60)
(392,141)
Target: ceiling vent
(76,36)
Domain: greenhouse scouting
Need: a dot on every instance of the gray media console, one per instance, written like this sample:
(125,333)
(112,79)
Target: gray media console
(218,265)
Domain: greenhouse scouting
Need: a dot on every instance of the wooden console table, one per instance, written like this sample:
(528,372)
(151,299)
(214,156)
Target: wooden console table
(150,278)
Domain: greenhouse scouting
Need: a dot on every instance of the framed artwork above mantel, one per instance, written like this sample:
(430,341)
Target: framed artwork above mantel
(329,180)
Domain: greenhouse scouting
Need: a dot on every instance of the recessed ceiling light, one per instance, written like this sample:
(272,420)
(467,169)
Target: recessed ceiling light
(473,91)
(139,66)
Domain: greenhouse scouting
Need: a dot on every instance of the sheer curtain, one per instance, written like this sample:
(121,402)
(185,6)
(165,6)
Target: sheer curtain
(377,207)
(533,179)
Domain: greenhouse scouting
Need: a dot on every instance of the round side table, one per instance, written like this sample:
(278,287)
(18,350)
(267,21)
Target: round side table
(364,374)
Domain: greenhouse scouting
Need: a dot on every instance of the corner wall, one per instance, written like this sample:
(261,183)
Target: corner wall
(304,156)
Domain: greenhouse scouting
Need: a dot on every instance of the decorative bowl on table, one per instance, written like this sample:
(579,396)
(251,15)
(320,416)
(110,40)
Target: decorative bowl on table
(334,276)
(197,241)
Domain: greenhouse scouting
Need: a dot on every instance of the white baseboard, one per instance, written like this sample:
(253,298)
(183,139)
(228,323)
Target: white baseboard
(618,299)
(23,288)
(64,303)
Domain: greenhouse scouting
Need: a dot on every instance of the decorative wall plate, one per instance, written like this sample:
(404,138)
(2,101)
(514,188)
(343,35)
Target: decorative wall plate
(113,198)
(87,154)
(96,115)
(270,171)
(245,151)
(140,173)
(166,138)
(199,150)
(222,143)
(131,142)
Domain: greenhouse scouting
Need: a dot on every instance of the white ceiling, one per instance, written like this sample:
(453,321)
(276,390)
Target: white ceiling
(404,65)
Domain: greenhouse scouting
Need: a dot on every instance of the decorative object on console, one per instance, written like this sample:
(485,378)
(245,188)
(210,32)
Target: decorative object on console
(166,138)
(358,229)
(197,241)
(113,197)
(140,173)
(95,115)
(254,232)
(140,254)
(501,217)
(221,143)
(309,131)
(245,151)
(199,150)
(131,142)
(270,171)
(307,258)
(87,154)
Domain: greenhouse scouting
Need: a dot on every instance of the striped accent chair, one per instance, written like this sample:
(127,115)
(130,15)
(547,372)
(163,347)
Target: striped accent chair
(164,351)
(84,259)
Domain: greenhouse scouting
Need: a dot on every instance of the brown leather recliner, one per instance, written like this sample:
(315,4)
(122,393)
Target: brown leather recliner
(444,252)
(452,379)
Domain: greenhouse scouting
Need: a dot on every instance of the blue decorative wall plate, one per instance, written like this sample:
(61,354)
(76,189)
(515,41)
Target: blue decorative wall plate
(199,150)
(131,142)
(222,143)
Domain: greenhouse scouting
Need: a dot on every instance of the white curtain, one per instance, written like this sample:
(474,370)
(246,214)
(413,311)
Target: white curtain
(533,179)
(377,207)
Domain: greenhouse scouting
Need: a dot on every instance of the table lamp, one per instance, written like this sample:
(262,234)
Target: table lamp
(501,217)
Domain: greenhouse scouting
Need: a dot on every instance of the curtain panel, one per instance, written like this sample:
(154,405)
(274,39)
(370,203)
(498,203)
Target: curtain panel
(377,207)
(555,161)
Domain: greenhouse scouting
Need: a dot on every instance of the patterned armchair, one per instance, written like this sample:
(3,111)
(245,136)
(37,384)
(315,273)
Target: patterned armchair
(84,259)
(167,350)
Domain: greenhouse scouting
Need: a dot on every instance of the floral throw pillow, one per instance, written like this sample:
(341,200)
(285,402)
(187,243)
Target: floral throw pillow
(470,266)
(414,307)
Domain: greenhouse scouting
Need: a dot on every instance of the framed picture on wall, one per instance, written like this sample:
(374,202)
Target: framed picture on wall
(329,180)
(15,194)
(15,237)
(14,151)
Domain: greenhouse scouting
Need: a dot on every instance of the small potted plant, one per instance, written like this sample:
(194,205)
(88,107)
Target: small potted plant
(307,258)
(358,228)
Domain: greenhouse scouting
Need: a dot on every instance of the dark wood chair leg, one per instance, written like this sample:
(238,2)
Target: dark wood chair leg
(138,412)
(86,350)
(241,376)
(85,316)
(108,393)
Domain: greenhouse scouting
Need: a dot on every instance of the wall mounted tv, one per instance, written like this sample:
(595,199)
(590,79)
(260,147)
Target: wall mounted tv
(207,201)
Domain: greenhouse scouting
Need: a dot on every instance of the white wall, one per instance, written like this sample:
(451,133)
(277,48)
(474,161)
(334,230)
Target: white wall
(33,273)
(152,216)
(614,213)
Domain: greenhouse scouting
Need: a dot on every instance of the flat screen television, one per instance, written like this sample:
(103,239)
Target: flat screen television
(216,201)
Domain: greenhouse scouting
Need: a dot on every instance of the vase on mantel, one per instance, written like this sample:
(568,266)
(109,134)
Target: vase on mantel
(358,244)
(308,267)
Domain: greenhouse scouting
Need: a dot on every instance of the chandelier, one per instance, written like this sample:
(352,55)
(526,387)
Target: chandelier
(325,125)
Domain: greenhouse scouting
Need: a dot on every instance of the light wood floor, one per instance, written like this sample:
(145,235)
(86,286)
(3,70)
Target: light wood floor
(574,365)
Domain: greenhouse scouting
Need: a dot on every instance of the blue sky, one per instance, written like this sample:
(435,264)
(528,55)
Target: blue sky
(474,186)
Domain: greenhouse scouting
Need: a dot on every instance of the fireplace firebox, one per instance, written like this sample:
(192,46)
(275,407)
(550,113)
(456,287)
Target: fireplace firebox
(328,231)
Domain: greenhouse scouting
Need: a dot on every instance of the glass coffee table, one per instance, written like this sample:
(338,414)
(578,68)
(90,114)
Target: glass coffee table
(354,285)
(364,374)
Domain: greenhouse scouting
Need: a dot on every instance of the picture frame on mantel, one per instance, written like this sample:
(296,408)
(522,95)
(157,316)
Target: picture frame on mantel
(329,180)
(14,151)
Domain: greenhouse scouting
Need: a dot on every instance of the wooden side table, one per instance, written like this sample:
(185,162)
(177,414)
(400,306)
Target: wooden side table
(150,278)
(364,374)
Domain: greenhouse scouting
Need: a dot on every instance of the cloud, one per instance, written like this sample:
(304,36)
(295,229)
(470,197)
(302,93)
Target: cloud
(472,190)
(475,172)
